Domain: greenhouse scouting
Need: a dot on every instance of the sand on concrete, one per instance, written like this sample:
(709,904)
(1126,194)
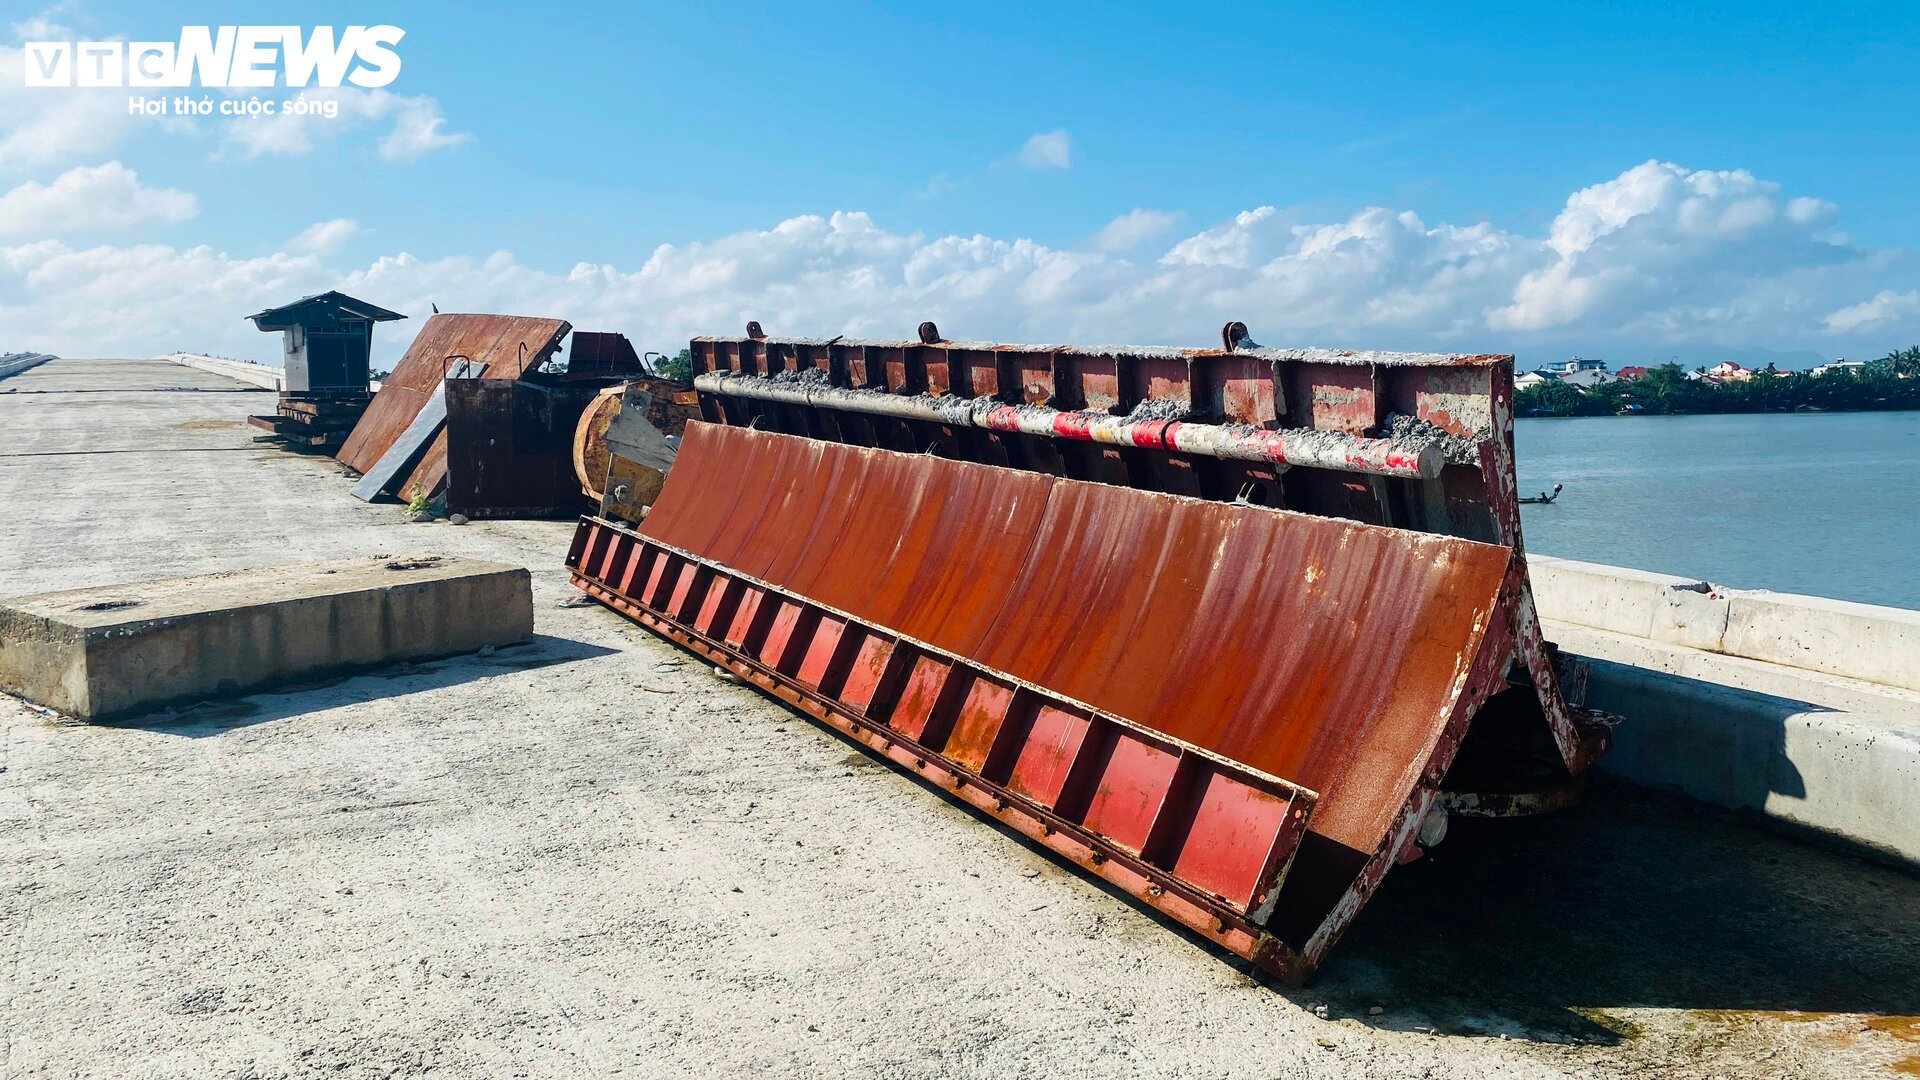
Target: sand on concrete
(586,856)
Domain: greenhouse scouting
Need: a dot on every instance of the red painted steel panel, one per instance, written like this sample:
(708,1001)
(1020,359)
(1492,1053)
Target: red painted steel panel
(821,647)
(1319,650)
(744,615)
(864,676)
(920,545)
(786,616)
(1226,808)
(914,711)
(710,608)
(1132,780)
(979,720)
(1334,397)
(1040,772)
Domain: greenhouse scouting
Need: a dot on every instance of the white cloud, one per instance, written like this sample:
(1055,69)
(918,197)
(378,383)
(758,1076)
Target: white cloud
(417,125)
(324,237)
(1133,228)
(1659,238)
(418,129)
(1048,150)
(145,299)
(1885,307)
(41,27)
(91,197)
(1655,259)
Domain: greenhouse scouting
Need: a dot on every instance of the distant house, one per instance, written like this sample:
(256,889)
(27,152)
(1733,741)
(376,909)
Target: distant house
(1529,378)
(1587,378)
(1842,366)
(1632,372)
(1570,367)
(1728,371)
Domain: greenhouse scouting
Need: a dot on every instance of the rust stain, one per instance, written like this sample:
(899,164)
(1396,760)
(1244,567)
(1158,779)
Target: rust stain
(1844,1028)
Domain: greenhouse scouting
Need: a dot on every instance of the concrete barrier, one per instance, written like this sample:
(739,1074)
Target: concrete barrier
(1835,637)
(1802,710)
(15,363)
(262,375)
(125,648)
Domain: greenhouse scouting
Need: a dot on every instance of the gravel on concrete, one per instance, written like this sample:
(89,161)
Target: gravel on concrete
(587,856)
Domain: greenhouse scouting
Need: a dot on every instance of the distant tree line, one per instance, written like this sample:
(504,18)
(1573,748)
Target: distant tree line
(1891,382)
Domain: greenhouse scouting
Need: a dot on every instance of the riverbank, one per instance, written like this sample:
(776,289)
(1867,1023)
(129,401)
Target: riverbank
(1892,382)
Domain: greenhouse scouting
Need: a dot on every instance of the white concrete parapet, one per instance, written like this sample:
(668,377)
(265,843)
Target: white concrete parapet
(1800,709)
(15,364)
(1835,637)
(261,375)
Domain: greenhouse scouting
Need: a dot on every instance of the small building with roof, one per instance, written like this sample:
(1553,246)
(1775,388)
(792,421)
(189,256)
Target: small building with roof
(328,342)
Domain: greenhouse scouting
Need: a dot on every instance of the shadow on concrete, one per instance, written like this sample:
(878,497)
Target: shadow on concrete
(1679,723)
(211,717)
(1537,927)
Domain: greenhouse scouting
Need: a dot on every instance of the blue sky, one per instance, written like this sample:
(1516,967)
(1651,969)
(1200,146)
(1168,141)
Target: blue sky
(595,133)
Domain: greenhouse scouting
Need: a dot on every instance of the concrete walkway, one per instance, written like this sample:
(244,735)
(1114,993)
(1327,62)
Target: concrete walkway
(589,857)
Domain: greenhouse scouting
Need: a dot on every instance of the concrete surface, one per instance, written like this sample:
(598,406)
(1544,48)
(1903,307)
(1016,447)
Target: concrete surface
(1836,756)
(264,376)
(1834,637)
(106,650)
(587,856)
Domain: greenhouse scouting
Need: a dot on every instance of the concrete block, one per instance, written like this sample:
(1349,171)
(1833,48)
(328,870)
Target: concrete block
(1852,776)
(1860,641)
(1658,607)
(106,651)
(1823,753)
(1811,633)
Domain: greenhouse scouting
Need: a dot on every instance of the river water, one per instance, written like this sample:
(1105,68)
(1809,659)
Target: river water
(1821,503)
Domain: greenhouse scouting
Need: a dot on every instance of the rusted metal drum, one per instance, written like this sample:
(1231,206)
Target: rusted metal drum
(590,442)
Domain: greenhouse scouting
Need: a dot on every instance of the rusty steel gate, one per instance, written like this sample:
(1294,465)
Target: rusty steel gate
(1216,640)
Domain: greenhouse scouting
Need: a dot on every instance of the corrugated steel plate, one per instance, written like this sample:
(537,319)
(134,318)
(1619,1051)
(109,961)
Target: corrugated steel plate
(1341,657)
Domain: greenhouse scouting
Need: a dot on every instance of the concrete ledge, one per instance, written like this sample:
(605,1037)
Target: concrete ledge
(100,652)
(1859,641)
(1856,641)
(14,365)
(261,375)
(1834,756)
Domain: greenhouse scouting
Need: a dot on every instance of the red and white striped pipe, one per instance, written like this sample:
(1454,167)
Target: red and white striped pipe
(1305,447)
